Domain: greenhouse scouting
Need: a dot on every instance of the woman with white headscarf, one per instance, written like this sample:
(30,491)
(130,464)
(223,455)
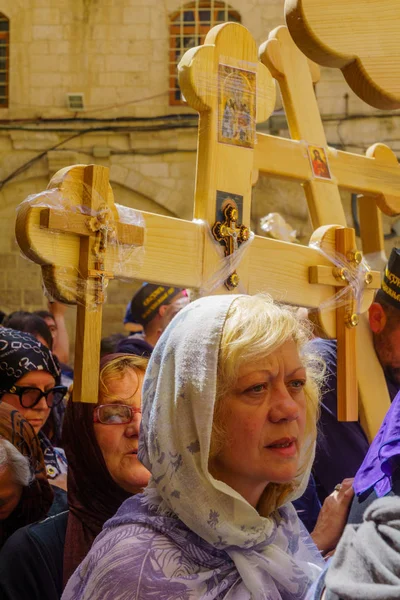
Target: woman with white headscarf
(230,403)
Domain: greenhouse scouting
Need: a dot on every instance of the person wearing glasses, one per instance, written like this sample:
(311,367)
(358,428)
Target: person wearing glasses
(29,381)
(37,326)
(101,444)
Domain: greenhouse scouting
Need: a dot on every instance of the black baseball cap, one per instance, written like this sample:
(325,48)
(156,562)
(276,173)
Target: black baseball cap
(146,302)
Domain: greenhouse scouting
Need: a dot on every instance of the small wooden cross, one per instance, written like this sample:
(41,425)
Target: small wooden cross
(75,233)
(231,236)
(233,91)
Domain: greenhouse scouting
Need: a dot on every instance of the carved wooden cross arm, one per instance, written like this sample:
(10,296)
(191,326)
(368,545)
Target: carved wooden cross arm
(74,231)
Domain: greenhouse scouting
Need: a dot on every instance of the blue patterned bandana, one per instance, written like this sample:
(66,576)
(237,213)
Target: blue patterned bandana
(21,353)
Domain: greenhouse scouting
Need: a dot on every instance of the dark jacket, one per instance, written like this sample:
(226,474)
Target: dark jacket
(31,561)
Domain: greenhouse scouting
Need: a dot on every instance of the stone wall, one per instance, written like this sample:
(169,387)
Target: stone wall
(116,53)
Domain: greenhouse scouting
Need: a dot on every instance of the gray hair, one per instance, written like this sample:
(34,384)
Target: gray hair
(18,464)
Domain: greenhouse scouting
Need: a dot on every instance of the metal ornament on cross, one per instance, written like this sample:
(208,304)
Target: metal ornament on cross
(231,236)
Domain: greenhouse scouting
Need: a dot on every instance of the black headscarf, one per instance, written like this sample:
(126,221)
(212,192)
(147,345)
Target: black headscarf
(21,353)
(93,495)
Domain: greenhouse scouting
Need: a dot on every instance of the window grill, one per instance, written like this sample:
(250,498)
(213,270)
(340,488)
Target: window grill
(188,28)
(4,60)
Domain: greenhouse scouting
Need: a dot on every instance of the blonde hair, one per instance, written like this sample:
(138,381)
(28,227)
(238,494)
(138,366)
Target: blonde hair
(117,367)
(255,326)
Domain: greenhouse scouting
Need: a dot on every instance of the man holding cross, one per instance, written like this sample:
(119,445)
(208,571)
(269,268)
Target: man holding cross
(342,446)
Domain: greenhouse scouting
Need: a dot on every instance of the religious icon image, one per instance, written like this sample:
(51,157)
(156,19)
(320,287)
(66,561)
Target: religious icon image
(319,162)
(225,199)
(236,106)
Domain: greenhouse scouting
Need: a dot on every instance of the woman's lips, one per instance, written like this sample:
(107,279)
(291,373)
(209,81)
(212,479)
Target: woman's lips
(287,451)
(36,422)
(284,447)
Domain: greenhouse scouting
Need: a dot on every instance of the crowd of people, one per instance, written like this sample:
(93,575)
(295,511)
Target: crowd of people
(212,465)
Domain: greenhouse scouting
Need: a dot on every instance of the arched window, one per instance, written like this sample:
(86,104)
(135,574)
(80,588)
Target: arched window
(188,28)
(4,60)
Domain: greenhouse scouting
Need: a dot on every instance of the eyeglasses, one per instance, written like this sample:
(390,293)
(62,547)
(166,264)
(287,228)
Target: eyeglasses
(30,396)
(114,414)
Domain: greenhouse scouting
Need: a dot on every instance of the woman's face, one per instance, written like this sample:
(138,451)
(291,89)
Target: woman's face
(10,493)
(38,414)
(264,417)
(119,442)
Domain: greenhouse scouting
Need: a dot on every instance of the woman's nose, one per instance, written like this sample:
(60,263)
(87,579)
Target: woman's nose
(284,407)
(42,404)
(132,428)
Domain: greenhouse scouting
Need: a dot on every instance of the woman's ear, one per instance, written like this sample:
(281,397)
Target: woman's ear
(163,309)
(377,318)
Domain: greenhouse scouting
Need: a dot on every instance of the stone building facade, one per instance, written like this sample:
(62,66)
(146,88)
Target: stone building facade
(115,59)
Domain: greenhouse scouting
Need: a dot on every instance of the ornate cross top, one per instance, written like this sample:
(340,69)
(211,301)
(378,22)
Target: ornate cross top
(231,235)
(226,99)
(74,231)
(232,90)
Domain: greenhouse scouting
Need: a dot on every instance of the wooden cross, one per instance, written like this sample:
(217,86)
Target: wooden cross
(376,177)
(74,232)
(231,90)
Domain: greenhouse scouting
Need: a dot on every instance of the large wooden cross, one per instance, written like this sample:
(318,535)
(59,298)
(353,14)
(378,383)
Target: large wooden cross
(232,90)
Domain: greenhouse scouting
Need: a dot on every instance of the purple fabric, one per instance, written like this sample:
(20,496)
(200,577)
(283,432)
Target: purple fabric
(135,344)
(308,506)
(144,555)
(341,447)
(376,470)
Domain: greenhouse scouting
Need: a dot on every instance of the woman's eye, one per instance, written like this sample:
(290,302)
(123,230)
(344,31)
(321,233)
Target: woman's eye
(259,388)
(297,384)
